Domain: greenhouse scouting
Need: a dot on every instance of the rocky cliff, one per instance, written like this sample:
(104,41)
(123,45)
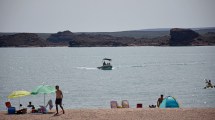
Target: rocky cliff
(64,36)
(84,40)
(176,37)
(21,40)
(101,40)
(188,37)
(182,37)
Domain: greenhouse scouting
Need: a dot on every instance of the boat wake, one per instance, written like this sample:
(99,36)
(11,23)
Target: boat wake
(144,65)
(138,66)
(161,64)
(86,68)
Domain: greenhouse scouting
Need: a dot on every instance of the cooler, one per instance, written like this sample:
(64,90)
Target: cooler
(11,110)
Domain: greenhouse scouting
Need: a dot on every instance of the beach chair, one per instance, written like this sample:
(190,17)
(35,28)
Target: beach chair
(50,104)
(125,104)
(113,104)
(43,109)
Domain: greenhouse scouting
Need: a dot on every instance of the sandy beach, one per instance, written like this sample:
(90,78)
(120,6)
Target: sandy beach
(120,114)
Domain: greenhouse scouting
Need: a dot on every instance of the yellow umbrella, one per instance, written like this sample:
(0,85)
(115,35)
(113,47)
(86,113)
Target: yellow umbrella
(18,94)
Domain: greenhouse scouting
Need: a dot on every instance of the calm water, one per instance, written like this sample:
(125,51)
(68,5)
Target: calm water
(140,75)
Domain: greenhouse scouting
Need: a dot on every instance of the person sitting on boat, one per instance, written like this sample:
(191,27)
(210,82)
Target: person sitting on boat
(104,63)
(209,84)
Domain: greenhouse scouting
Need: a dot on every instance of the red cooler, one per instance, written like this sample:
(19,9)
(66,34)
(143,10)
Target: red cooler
(139,105)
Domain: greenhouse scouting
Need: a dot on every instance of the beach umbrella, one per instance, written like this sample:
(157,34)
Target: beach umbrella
(18,94)
(43,89)
(169,102)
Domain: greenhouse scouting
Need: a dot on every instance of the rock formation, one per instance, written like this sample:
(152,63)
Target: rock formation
(182,37)
(177,37)
(84,40)
(21,40)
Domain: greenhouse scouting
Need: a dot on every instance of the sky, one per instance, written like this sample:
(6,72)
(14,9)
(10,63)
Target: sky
(50,16)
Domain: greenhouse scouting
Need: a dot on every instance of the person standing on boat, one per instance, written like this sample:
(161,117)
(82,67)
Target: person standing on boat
(59,97)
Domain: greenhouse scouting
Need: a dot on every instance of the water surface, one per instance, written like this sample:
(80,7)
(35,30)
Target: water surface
(140,75)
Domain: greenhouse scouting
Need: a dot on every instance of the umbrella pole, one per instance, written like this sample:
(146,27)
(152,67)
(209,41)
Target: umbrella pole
(19,103)
(44,99)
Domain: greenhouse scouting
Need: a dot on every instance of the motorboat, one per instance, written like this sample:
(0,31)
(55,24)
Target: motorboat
(106,64)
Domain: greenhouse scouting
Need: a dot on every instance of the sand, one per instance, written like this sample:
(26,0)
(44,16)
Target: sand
(120,114)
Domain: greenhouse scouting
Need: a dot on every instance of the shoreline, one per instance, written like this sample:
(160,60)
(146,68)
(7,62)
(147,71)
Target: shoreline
(120,114)
(104,46)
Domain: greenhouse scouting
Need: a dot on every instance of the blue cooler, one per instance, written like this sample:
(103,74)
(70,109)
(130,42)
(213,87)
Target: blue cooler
(11,110)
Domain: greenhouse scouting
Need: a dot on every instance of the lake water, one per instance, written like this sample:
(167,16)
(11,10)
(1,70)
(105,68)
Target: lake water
(140,75)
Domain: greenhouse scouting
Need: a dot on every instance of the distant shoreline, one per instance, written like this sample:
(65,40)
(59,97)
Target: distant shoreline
(103,46)
(172,37)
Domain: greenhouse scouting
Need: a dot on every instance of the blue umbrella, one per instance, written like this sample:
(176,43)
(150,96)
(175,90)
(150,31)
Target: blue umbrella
(43,89)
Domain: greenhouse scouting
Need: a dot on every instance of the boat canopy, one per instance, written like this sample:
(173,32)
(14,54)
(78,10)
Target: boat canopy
(107,59)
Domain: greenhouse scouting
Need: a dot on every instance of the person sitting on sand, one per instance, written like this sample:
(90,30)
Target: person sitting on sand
(33,110)
(30,105)
(59,97)
(160,100)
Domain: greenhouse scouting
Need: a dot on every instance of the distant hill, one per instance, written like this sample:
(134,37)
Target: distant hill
(149,33)
(22,40)
(143,33)
(204,30)
(144,37)
(188,37)
(135,34)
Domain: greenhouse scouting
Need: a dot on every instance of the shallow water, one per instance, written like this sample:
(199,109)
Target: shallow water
(140,75)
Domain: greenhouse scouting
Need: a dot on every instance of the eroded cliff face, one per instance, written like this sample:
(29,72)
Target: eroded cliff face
(22,40)
(182,37)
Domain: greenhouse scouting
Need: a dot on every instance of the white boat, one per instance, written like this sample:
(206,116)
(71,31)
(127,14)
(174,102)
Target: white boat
(106,64)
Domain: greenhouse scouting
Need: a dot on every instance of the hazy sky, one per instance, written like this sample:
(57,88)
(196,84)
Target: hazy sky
(103,15)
